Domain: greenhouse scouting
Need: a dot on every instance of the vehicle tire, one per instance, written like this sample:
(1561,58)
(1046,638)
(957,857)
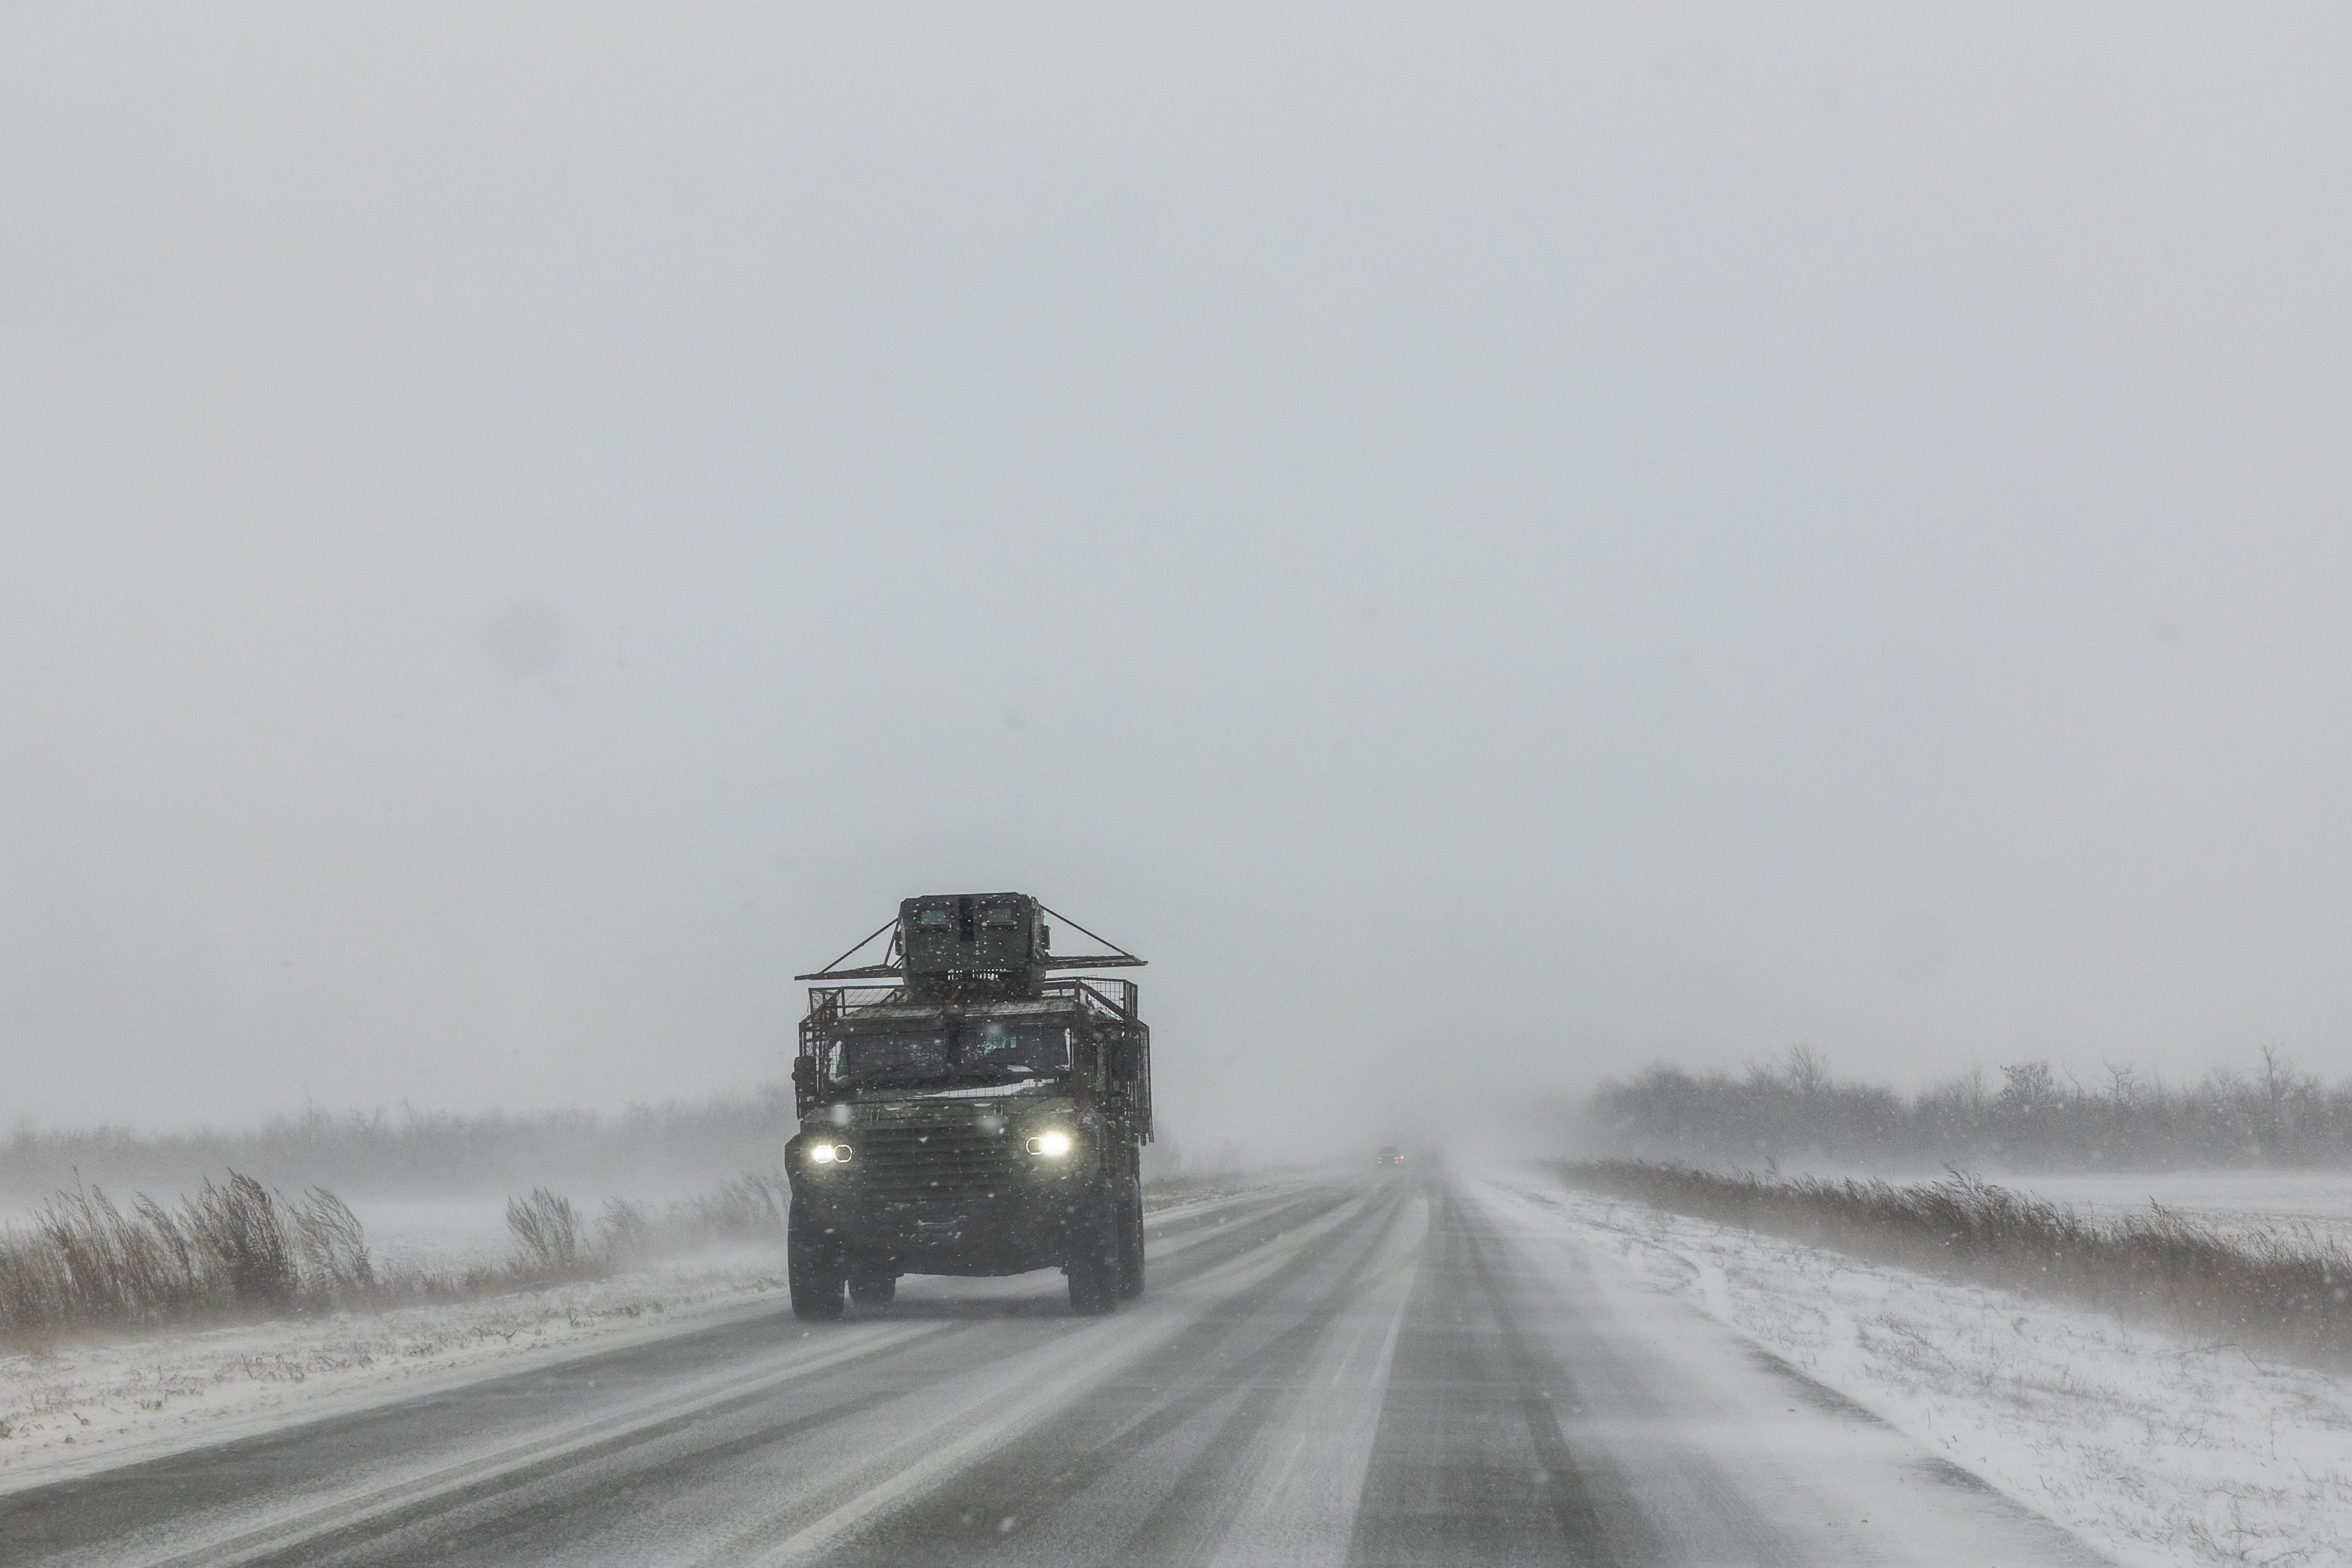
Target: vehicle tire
(873,1290)
(1093,1263)
(1130,1243)
(812,1263)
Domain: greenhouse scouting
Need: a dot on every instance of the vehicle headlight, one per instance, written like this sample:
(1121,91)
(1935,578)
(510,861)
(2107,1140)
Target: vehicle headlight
(828,1154)
(1053,1145)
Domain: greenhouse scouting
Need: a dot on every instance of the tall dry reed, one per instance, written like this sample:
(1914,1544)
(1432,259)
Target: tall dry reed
(238,1249)
(2288,1294)
(230,1247)
(547,1227)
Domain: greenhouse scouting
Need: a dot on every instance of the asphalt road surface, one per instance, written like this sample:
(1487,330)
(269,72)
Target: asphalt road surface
(1411,1371)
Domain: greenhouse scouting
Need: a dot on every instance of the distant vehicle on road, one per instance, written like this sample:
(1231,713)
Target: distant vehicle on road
(970,1115)
(1389,1154)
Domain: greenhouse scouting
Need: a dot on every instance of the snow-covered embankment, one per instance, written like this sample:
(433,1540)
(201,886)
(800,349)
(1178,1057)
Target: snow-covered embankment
(2159,1451)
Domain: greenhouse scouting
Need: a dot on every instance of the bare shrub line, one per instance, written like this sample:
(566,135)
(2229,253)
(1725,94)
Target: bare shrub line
(240,1249)
(231,1247)
(2291,1297)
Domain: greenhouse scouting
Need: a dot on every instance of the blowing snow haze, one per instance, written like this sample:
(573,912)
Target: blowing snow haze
(1491,545)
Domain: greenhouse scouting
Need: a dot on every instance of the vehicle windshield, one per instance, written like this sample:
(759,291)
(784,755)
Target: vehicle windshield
(967,1052)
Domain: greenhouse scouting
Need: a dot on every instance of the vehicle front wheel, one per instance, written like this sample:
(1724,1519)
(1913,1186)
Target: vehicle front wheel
(1130,1243)
(1094,1257)
(873,1290)
(812,1263)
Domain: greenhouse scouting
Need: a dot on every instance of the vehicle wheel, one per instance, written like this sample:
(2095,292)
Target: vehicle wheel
(1094,1260)
(873,1290)
(1130,1243)
(812,1263)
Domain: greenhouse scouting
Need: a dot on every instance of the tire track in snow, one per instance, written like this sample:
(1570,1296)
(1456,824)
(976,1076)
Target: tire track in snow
(1002,1407)
(1124,1467)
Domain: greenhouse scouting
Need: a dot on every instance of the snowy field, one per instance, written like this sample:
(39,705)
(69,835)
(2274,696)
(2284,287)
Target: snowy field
(450,1234)
(2299,1204)
(2159,1452)
(2311,1203)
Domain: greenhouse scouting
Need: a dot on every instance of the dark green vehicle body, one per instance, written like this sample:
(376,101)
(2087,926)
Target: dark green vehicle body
(973,1117)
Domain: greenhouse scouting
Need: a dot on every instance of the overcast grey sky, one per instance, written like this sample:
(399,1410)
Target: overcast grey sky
(1492,543)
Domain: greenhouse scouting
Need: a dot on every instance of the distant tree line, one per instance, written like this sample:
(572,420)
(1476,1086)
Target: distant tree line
(410,1152)
(1792,1112)
(658,1150)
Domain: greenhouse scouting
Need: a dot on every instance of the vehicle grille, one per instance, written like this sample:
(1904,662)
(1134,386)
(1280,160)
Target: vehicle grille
(909,1163)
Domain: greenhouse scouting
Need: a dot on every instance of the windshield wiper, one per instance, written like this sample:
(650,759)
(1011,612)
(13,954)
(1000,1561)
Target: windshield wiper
(994,1072)
(904,1073)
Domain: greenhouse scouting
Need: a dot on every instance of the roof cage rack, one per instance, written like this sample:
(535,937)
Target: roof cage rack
(982,942)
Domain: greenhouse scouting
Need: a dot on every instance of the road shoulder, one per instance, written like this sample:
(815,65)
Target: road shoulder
(2159,1452)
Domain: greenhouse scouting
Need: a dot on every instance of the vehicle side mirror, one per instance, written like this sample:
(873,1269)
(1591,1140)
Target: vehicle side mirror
(804,1072)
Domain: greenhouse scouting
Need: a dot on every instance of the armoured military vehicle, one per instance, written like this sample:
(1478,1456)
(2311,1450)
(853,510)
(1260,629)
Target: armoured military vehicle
(981,1109)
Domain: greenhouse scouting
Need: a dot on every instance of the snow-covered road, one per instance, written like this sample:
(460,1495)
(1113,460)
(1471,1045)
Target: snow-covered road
(1423,1370)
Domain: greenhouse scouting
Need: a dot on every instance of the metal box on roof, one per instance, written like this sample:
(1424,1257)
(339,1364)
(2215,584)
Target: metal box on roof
(958,940)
